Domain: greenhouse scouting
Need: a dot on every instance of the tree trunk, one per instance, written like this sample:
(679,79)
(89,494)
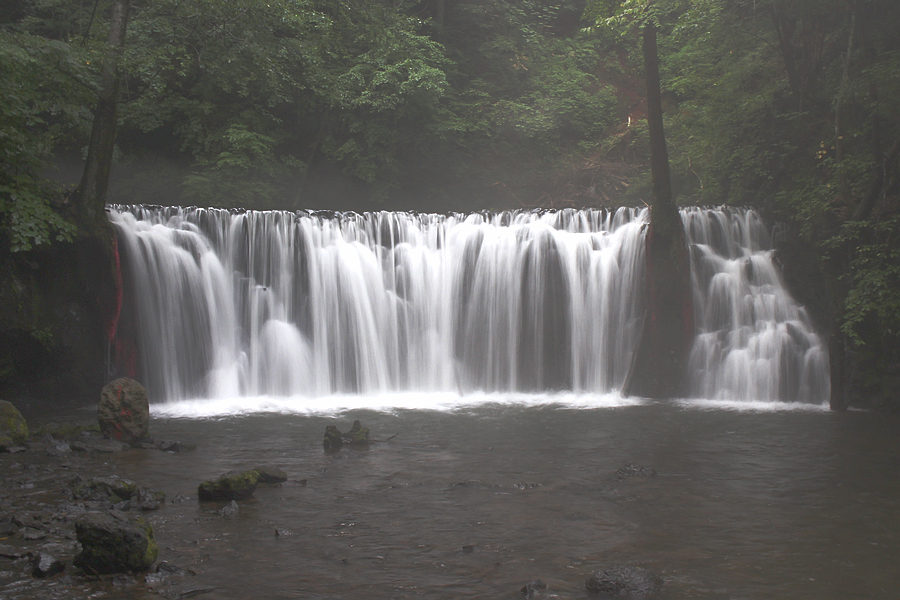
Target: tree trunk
(91,192)
(839,113)
(784,31)
(659,369)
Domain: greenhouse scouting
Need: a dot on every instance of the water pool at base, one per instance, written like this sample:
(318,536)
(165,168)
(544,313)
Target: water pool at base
(476,501)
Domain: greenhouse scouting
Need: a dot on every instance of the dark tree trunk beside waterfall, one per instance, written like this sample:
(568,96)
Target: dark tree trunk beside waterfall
(91,192)
(61,309)
(659,368)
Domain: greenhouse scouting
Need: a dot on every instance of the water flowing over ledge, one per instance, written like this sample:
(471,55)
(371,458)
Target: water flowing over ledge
(248,305)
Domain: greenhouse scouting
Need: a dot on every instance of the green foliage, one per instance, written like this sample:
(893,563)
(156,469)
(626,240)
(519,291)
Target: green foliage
(39,93)
(873,278)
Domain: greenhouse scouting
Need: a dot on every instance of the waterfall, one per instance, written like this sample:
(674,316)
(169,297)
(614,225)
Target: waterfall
(225,303)
(753,340)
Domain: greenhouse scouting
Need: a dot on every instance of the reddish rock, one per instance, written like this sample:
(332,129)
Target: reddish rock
(124,411)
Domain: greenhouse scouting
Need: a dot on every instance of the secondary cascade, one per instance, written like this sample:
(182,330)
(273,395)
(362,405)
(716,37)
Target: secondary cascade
(222,304)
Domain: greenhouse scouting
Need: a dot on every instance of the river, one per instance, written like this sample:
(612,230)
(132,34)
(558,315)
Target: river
(748,501)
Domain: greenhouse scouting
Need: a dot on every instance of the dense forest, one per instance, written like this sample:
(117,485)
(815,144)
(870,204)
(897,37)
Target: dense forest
(788,106)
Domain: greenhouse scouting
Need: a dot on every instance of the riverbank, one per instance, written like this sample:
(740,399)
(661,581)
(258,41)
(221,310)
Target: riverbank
(45,485)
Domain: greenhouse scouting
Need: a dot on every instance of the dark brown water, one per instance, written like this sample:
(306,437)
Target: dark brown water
(745,505)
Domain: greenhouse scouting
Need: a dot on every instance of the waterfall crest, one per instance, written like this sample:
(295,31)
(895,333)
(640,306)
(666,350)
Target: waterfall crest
(246,303)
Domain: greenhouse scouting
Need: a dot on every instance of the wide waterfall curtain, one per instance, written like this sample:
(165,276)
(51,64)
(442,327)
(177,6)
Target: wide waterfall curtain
(244,303)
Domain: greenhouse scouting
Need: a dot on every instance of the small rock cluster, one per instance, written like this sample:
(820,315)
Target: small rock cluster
(357,437)
(611,581)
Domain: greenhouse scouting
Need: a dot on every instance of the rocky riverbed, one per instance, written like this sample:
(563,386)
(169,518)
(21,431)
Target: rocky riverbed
(58,475)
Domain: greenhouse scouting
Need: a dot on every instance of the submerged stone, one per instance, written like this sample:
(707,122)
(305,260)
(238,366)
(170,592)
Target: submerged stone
(622,580)
(632,470)
(114,542)
(533,589)
(124,411)
(230,509)
(230,486)
(13,428)
(271,475)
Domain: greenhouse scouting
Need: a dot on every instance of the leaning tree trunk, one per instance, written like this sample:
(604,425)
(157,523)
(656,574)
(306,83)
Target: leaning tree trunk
(91,192)
(659,369)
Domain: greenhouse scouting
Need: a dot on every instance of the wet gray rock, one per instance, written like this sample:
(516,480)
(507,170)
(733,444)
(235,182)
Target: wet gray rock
(271,474)
(46,565)
(526,485)
(114,542)
(124,411)
(164,571)
(534,589)
(146,500)
(622,580)
(333,440)
(79,446)
(30,534)
(230,509)
(13,552)
(172,446)
(8,527)
(58,448)
(112,488)
(631,470)
(116,492)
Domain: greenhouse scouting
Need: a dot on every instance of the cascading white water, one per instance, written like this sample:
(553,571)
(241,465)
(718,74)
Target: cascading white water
(753,340)
(253,303)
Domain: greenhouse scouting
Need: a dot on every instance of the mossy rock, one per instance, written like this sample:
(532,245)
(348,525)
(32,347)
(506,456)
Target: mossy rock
(13,428)
(116,489)
(359,436)
(230,486)
(114,542)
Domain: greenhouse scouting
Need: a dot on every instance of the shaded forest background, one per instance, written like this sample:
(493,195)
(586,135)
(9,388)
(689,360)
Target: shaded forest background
(789,106)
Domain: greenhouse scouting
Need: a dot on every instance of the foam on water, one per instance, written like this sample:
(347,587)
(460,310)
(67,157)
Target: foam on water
(382,403)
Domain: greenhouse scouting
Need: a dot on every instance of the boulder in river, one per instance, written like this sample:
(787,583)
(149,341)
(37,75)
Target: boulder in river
(534,589)
(124,411)
(358,436)
(270,474)
(230,486)
(333,440)
(114,542)
(13,428)
(622,580)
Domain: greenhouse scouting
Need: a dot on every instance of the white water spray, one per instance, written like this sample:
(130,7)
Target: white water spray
(237,304)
